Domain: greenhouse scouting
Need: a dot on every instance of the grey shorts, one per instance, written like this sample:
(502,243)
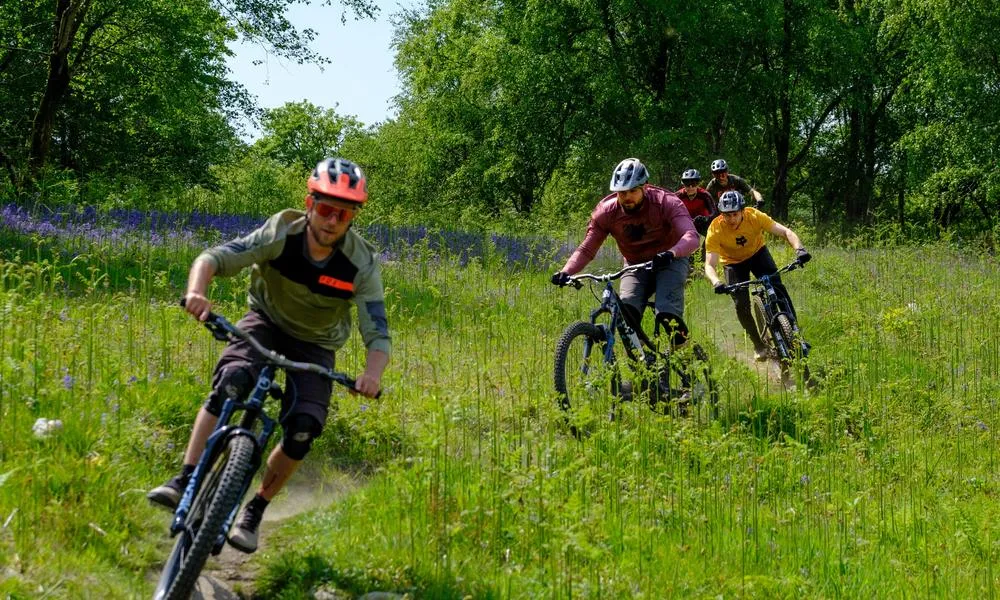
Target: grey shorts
(668,284)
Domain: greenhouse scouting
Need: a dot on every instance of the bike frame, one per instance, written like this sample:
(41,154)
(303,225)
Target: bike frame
(253,408)
(612,304)
(253,411)
(775,306)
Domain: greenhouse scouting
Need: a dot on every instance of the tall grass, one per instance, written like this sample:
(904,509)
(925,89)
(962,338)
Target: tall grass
(880,483)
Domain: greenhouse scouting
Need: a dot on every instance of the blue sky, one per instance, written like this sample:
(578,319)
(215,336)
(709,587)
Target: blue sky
(361,80)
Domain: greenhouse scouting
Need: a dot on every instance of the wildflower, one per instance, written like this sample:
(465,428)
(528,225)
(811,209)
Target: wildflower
(67,381)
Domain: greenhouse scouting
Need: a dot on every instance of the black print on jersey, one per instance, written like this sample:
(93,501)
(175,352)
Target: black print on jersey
(741,241)
(635,231)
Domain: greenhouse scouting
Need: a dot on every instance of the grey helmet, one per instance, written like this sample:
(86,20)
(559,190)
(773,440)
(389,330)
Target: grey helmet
(629,174)
(690,175)
(719,164)
(731,201)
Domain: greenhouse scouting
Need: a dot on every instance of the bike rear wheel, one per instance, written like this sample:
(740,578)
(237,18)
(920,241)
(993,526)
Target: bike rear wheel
(212,504)
(795,350)
(688,388)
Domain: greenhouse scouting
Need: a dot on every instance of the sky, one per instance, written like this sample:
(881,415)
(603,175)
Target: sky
(357,47)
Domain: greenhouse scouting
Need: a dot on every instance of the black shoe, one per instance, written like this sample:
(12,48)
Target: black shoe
(169,494)
(244,535)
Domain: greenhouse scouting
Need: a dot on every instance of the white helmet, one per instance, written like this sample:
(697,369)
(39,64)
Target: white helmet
(719,164)
(629,174)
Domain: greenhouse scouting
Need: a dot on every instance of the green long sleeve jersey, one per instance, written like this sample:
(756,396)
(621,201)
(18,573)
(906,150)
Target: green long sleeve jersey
(307,299)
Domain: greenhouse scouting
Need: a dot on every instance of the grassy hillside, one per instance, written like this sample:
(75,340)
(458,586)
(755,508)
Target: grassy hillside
(880,483)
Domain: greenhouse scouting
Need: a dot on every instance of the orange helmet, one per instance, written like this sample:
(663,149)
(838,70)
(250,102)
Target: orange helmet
(340,178)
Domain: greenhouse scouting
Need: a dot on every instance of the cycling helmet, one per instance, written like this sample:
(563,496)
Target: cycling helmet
(731,201)
(340,178)
(629,174)
(719,164)
(690,175)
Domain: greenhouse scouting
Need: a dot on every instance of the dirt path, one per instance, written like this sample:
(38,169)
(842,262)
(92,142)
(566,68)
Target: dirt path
(231,574)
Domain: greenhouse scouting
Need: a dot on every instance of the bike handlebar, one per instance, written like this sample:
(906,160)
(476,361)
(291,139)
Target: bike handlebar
(224,331)
(732,287)
(577,280)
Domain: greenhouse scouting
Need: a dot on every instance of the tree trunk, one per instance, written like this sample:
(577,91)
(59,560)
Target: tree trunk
(68,18)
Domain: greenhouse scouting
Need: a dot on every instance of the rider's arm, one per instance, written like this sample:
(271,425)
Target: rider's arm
(260,245)
(680,221)
(370,382)
(711,263)
(587,250)
(781,231)
(196,299)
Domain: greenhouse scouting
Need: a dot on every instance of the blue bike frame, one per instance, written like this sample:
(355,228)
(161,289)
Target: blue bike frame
(254,410)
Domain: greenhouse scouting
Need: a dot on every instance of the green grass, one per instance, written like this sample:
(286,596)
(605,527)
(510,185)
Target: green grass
(881,483)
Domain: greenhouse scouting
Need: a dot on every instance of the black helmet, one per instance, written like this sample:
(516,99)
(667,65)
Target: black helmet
(690,175)
(719,164)
(629,174)
(731,201)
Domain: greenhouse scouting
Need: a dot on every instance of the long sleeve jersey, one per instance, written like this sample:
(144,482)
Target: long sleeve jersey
(309,300)
(660,223)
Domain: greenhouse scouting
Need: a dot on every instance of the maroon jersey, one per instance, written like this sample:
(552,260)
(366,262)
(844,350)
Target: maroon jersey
(660,223)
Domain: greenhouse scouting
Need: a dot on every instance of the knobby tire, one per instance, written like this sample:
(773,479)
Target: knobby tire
(579,331)
(219,494)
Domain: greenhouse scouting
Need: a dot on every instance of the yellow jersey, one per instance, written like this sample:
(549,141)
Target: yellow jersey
(736,245)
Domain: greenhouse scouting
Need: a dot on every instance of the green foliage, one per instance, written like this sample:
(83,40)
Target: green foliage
(465,478)
(301,134)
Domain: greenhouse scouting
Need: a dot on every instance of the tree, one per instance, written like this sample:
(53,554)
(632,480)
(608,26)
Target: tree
(301,133)
(68,55)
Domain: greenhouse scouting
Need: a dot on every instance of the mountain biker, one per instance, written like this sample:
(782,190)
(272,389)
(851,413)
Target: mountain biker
(699,203)
(722,181)
(737,238)
(307,269)
(648,223)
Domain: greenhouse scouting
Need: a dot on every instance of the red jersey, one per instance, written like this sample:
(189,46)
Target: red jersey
(702,205)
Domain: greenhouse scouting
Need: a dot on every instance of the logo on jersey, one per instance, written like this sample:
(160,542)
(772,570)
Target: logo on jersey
(741,241)
(336,284)
(634,231)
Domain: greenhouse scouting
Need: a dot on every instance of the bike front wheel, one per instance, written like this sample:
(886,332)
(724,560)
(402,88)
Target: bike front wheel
(763,328)
(212,504)
(583,375)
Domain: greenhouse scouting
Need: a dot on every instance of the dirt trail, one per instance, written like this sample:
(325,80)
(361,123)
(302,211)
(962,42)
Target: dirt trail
(231,574)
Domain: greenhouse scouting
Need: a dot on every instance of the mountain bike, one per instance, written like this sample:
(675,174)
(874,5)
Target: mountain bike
(776,322)
(232,455)
(607,355)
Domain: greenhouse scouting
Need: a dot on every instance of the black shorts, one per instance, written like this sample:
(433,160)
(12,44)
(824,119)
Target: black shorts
(305,393)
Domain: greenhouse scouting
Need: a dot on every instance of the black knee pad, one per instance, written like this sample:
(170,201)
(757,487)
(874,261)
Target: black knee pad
(232,381)
(300,431)
(672,323)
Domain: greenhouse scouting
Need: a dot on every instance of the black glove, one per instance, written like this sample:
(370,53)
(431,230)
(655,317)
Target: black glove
(700,221)
(662,259)
(560,278)
(721,288)
(802,255)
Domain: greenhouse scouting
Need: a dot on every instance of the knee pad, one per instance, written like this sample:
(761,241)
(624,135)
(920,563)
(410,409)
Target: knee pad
(674,325)
(300,431)
(232,381)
